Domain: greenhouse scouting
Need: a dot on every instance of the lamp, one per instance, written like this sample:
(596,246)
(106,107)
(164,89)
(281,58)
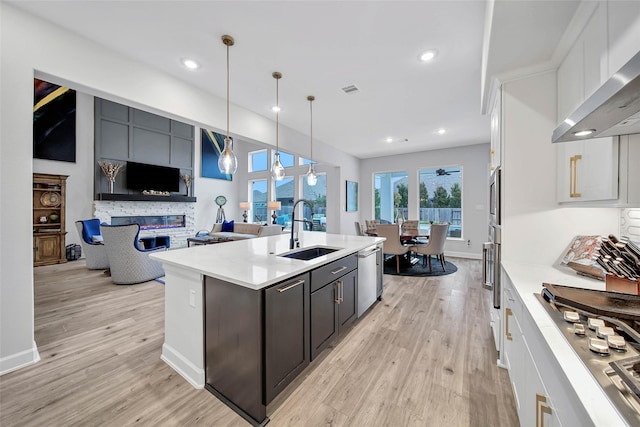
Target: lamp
(277,170)
(227,162)
(245,206)
(312,178)
(275,206)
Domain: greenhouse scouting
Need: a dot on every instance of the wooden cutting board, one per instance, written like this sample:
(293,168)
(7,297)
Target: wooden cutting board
(612,304)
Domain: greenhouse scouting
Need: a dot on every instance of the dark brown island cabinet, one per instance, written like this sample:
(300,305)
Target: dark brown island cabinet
(258,341)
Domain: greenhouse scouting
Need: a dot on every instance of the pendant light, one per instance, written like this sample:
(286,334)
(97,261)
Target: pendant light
(312,178)
(228,162)
(277,170)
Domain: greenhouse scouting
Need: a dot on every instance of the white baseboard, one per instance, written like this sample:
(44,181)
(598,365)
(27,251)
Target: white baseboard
(462,255)
(184,367)
(19,360)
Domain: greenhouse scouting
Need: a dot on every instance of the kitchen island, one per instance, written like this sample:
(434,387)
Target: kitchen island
(229,308)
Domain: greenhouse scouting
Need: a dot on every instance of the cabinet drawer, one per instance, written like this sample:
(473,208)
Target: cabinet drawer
(332,271)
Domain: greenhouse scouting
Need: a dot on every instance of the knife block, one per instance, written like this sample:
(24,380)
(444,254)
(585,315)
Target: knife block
(625,286)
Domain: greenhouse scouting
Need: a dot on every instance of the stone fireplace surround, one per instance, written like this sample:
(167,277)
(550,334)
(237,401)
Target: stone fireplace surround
(104,210)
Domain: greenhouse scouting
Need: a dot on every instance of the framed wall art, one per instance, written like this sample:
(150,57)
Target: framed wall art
(54,122)
(212,145)
(352,196)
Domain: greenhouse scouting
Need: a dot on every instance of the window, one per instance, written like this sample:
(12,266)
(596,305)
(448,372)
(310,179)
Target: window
(258,161)
(440,196)
(391,196)
(287,159)
(317,195)
(304,161)
(285,195)
(259,200)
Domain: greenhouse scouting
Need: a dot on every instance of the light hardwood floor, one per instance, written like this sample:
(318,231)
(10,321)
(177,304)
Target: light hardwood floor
(424,356)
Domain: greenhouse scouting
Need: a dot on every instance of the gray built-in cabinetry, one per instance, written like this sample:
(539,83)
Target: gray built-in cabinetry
(258,341)
(127,134)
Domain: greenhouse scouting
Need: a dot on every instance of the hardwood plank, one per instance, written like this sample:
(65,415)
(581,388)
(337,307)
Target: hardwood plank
(424,355)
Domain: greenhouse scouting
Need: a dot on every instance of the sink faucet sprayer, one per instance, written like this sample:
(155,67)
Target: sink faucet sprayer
(293,221)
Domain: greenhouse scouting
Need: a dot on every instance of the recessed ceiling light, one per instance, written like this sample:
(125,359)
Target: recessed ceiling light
(584,132)
(442,131)
(389,140)
(428,55)
(276,109)
(190,64)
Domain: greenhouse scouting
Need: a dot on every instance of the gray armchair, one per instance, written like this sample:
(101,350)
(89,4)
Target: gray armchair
(129,262)
(90,238)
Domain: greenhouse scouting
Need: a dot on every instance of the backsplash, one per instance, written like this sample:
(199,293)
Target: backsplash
(630,224)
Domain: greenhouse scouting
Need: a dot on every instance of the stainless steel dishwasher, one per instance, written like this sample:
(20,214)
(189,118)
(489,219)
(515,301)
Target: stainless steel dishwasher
(367,278)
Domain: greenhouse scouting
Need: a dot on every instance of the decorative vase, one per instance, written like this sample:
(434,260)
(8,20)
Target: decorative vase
(54,217)
(111,186)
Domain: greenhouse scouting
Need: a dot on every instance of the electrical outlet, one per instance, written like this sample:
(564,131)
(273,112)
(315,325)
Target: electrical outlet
(192,298)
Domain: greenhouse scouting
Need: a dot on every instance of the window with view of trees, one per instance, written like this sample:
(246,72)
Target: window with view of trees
(391,196)
(440,195)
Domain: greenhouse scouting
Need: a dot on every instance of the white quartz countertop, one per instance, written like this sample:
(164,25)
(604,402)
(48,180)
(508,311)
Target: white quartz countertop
(527,280)
(255,264)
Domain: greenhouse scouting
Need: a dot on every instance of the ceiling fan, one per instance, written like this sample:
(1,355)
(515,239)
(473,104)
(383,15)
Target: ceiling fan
(441,172)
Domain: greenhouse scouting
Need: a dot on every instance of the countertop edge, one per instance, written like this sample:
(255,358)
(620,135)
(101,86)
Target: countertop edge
(527,279)
(286,269)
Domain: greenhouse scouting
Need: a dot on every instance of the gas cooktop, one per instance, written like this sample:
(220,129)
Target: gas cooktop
(609,348)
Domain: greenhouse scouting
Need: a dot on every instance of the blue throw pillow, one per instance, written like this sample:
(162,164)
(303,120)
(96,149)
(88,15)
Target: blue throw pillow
(227,226)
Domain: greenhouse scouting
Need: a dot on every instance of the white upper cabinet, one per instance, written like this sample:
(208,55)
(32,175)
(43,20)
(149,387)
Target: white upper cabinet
(585,67)
(588,170)
(496,130)
(623,32)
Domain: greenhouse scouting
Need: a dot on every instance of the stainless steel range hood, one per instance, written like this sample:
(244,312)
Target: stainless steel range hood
(613,109)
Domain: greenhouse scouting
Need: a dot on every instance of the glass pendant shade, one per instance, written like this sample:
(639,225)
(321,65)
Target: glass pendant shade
(277,170)
(228,162)
(312,178)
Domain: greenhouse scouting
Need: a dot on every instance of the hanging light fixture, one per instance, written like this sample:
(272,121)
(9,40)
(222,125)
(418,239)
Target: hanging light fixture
(312,178)
(228,162)
(277,170)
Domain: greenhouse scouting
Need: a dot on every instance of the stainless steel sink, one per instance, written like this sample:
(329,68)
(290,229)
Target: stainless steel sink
(309,253)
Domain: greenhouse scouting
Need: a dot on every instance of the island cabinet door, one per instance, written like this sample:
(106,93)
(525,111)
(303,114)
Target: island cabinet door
(324,317)
(348,306)
(286,333)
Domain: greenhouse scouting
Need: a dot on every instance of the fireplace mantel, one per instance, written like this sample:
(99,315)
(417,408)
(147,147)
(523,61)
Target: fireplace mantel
(145,198)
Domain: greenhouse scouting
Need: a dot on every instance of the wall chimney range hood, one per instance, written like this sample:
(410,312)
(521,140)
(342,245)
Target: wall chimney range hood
(613,109)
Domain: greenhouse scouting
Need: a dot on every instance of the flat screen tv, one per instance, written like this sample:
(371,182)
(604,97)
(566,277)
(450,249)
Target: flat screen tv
(141,176)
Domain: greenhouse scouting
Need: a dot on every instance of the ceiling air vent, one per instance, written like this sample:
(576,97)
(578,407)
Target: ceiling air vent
(350,89)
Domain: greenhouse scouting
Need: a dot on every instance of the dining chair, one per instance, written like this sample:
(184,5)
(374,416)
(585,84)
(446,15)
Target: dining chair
(359,231)
(371,227)
(392,244)
(410,227)
(437,239)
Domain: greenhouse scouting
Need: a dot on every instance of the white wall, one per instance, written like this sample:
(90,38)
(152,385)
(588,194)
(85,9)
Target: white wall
(79,202)
(535,228)
(475,181)
(31,47)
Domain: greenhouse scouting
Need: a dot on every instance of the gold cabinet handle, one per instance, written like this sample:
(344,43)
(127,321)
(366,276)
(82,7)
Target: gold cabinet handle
(293,285)
(573,176)
(541,409)
(344,267)
(506,329)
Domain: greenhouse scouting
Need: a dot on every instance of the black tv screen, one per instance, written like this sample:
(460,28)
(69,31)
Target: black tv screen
(141,176)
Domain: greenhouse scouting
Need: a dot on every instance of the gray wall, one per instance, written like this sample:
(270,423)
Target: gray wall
(475,178)
(127,134)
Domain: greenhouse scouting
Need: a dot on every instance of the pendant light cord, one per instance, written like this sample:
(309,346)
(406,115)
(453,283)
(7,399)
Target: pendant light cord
(311,131)
(277,115)
(227,91)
